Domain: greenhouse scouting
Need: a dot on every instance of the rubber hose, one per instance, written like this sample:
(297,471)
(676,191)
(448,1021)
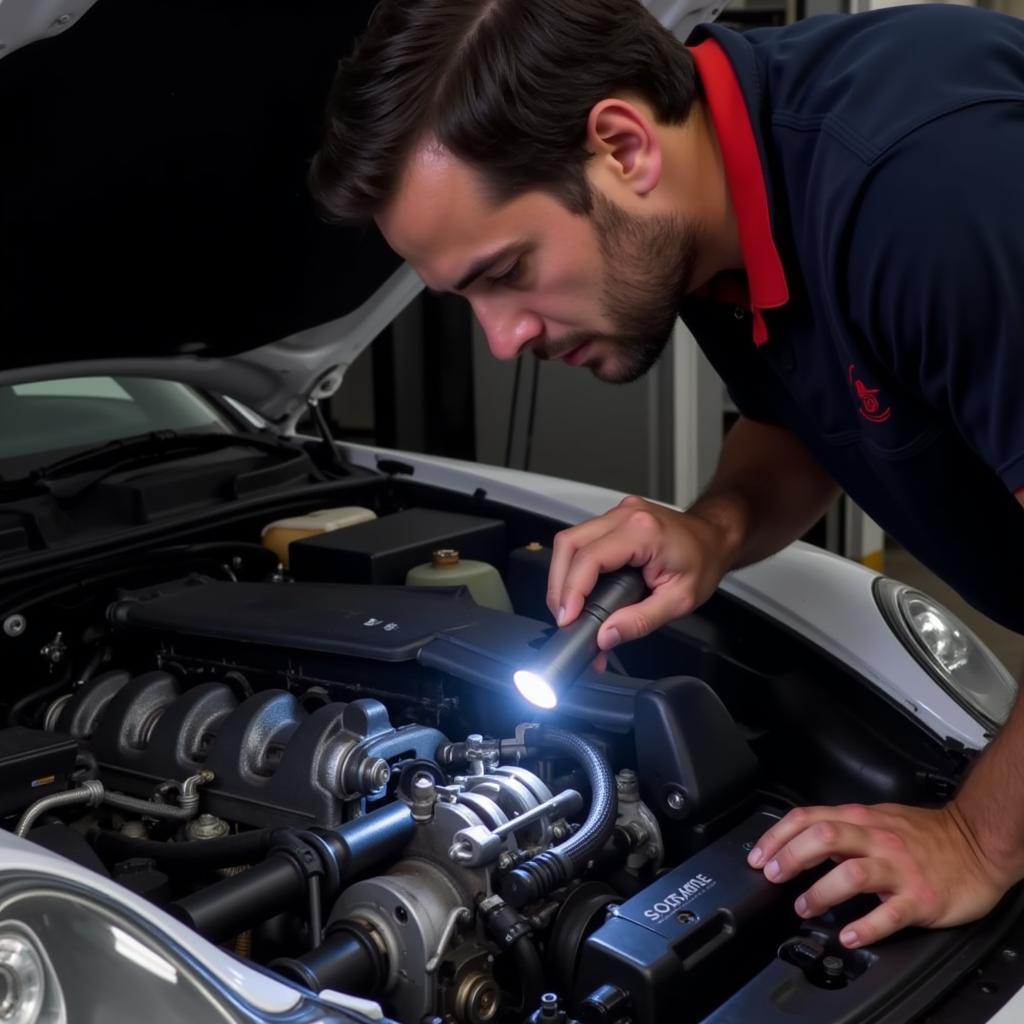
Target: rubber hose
(227,852)
(550,870)
(530,971)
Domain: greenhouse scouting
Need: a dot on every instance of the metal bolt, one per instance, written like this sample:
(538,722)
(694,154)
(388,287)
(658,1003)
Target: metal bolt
(64,19)
(14,625)
(505,861)
(549,1006)
(833,966)
(627,784)
(676,800)
(374,774)
(207,826)
(55,650)
(651,851)
(559,832)
(424,793)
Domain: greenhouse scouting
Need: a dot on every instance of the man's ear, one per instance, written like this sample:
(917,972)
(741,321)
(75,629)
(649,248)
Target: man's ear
(623,138)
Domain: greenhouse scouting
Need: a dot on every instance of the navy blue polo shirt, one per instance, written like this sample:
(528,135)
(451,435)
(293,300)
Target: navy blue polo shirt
(876,164)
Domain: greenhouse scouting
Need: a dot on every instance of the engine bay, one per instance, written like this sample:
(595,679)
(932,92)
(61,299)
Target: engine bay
(323,767)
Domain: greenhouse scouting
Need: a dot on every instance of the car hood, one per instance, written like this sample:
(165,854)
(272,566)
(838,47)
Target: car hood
(154,218)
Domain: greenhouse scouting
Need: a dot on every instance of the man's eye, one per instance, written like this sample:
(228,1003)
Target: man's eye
(511,275)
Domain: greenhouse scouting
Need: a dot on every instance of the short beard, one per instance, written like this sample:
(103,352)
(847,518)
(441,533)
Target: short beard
(649,265)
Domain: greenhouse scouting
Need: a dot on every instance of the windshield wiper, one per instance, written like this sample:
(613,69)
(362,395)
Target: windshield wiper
(140,449)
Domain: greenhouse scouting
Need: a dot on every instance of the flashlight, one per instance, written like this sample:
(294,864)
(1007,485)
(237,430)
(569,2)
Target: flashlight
(573,648)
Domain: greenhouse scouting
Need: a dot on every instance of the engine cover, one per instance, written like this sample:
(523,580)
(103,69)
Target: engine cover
(694,931)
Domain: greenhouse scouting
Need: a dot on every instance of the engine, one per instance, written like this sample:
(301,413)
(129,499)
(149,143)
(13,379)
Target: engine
(338,781)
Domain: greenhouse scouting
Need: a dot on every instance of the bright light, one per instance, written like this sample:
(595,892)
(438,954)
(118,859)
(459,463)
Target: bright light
(131,949)
(537,690)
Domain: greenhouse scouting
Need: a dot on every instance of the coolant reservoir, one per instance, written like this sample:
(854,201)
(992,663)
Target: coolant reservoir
(278,535)
(448,570)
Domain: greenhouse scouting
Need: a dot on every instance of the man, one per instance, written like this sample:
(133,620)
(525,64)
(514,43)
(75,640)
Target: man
(836,209)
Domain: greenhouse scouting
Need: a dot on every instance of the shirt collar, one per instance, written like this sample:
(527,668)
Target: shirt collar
(766,277)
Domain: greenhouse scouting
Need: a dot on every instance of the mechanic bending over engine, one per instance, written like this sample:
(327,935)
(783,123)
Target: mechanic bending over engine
(835,209)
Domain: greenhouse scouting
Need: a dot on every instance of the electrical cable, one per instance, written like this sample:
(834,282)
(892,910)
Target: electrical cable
(513,408)
(531,418)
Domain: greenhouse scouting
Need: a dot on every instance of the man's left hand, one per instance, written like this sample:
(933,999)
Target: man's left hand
(925,865)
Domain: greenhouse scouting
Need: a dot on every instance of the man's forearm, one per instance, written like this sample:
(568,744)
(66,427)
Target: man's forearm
(990,804)
(767,492)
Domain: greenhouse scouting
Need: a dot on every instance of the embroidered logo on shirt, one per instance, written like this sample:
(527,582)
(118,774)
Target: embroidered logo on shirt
(870,407)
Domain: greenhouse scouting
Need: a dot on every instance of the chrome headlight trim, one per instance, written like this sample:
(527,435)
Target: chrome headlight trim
(990,699)
(29,990)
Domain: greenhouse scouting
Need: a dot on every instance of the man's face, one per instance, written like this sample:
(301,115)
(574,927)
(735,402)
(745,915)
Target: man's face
(598,290)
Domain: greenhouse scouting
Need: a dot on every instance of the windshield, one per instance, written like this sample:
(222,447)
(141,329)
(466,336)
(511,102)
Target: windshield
(46,419)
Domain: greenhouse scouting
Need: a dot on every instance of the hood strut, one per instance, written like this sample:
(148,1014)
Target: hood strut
(333,460)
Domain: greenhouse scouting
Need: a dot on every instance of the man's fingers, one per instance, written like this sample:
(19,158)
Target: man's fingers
(640,619)
(563,553)
(886,919)
(814,845)
(851,878)
(607,553)
(795,822)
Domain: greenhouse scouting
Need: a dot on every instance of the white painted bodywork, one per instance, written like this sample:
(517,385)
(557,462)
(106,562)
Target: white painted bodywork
(823,597)
(27,21)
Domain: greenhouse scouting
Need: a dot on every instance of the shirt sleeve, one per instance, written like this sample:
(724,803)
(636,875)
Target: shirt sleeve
(936,274)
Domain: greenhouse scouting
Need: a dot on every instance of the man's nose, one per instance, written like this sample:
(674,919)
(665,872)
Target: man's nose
(509,330)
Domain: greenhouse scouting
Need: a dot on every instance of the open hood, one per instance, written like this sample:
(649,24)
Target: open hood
(154,218)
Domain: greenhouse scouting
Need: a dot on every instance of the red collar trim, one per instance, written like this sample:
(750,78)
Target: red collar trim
(745,175)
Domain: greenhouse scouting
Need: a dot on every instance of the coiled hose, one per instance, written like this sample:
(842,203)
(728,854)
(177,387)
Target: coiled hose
(555,867)
(90,792)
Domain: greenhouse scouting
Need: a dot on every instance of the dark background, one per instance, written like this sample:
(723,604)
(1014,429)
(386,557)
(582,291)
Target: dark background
(152,181)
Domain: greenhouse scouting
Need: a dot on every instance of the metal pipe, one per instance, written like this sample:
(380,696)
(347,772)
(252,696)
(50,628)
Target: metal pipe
(221,911)
(167,812)
(90,793)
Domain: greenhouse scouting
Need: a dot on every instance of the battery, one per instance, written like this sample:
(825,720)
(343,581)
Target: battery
(382,551)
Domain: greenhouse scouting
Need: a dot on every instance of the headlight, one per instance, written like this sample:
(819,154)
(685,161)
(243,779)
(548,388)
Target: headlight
(951,653)
(29,993)
(68,955)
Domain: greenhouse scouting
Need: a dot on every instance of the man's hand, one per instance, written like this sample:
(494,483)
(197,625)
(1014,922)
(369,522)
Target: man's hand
(926,866)
(683,557)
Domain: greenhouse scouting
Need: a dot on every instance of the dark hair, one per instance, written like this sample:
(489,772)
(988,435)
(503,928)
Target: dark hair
(505,85)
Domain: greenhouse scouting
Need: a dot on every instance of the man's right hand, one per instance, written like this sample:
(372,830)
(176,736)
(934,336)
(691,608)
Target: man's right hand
(682,556)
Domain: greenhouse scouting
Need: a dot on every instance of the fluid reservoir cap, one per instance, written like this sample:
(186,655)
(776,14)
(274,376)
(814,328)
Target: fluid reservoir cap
(445,558)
